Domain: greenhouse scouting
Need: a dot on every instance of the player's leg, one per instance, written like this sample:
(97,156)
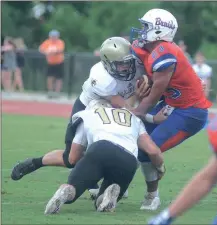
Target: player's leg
(179,126)
(214,221)
(53,158)
(119,170)
(59,78)
(50,80)
(78,106)
(88,171)
(205,179)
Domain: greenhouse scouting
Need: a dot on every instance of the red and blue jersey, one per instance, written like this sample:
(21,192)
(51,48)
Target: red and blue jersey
(185,88)
(212,133)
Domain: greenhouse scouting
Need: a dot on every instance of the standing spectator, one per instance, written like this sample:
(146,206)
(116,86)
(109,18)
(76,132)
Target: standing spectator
(20,48)
(203,70)
(9,63)
(183,46)
(53,49)
(96,52)
(2,53)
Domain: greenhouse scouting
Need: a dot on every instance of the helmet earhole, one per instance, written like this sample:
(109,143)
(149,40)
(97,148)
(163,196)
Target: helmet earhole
(115,45)
(157,32)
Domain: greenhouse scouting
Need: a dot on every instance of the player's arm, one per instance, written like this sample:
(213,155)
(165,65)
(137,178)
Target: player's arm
(108,91)
(60,47)
(162,68)
(205,180)
(146,144)
(79,145)
(196,189)
(160,84)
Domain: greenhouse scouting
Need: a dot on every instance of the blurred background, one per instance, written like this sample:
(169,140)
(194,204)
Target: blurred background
(82,27)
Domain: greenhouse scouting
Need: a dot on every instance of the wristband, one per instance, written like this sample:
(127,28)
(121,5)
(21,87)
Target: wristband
(166,215)
(149,118)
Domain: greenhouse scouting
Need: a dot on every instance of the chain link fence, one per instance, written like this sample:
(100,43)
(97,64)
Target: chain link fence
(76,71)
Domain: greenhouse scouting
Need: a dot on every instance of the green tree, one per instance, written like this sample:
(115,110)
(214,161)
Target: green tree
(68,21)
(106,19)
(196,21)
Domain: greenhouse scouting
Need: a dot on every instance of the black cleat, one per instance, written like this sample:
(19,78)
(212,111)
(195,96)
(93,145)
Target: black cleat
(22,169)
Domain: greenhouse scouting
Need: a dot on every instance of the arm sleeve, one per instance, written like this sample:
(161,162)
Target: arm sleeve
(142,129)
(163,62)
(80,135)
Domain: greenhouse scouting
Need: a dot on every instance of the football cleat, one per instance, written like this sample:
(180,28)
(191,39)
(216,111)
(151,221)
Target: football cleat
(63,194)
(93,193)
(150,202)
(109,200)
(22,169)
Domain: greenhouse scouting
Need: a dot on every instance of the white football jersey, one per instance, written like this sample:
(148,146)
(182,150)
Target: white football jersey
(101,84)
(204,71)
(118,126)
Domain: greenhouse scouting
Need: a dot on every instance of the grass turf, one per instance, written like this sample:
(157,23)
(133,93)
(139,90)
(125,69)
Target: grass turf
(23,202)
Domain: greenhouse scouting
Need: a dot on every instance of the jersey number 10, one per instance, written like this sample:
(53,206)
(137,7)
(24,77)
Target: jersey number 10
(120,116)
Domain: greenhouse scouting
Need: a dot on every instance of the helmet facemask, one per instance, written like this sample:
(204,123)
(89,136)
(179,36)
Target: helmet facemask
(142,33)
(124,70)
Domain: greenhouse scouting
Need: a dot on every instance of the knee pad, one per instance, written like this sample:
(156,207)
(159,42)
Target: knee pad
(149,171)
(143,157)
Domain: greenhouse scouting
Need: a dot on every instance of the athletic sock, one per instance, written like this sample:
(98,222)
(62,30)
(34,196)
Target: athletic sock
(154,193)
(38,162)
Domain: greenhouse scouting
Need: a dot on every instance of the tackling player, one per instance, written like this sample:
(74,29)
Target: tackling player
(113,78)
(200,185)
(174,78)
(112,137)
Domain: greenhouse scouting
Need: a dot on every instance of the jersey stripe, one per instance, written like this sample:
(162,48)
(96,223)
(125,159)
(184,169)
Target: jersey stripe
(163,62)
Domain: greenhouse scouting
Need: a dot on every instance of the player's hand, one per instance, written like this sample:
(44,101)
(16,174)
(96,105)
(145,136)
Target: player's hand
(160,117)
(161,219)
(161,171)
(142,90)
(51,51)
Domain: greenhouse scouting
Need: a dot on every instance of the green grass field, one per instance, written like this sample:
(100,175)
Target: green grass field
(23,202)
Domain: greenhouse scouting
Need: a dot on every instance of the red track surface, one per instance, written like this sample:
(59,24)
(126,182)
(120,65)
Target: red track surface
(39,108)
(36,108)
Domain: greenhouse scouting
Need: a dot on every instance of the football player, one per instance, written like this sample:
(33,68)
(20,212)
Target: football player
(112,137)
(204,181)
(113,78)
(174,78)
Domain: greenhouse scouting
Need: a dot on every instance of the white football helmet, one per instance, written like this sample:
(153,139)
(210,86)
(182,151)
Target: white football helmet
(157,24)
(96,103)
(115,54)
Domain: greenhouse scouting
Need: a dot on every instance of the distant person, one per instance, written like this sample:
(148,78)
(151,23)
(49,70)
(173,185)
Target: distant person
(2,53)
(203,70)
(20,48)
(53,48)
(183,46)
(97,52)
(9,63)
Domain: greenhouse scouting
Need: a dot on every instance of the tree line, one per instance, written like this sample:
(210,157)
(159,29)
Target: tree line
(84,25)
